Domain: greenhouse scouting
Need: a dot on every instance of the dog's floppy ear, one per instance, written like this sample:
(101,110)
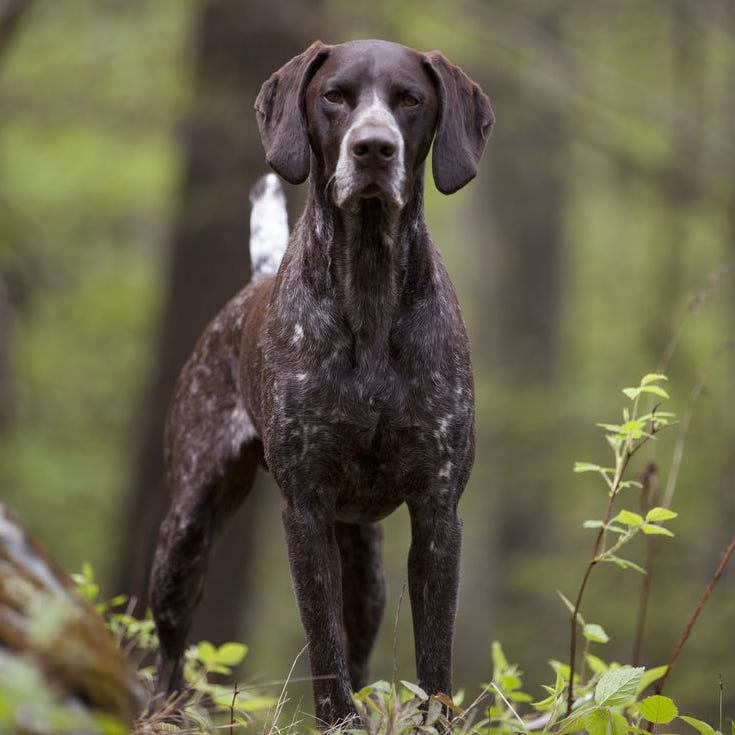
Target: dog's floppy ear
(281,116)
(464,124)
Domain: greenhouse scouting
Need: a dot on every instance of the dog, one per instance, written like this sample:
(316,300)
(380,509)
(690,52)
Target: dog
(343,367)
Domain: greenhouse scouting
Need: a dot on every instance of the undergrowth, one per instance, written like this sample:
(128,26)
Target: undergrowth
(586,693)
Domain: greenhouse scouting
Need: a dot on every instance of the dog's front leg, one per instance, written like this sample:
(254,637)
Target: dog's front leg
(433,580)
(315,568)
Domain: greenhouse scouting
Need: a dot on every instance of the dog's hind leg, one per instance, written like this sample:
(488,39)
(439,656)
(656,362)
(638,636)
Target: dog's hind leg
(363,593)
(180,564)
(212,453)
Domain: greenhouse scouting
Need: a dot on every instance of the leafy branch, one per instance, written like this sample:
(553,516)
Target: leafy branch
(626,440)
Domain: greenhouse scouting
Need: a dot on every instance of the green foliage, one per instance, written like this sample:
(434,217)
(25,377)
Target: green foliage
(607,697)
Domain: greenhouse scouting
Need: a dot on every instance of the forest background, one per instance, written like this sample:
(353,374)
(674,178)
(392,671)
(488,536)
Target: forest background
(605,203)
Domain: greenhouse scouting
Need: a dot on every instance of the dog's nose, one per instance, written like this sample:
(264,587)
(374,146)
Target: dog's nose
(373,146)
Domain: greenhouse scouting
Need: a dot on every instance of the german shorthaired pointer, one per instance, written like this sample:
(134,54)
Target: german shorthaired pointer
(347,373)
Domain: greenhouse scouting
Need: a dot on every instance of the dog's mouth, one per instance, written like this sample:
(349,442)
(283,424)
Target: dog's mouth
(347,195)
(371,191)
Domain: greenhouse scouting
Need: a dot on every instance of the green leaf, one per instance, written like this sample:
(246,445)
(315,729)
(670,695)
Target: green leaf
(629,518)
(543,705)
(561,669)
(651,530)
(500,662)
(589,467)
(570,606)
(595,633)
(253,704)
(649,378)
(509,682)
(363,694)
(603,721)
(206,653)
(600,524)
(703,727)
(432,715)
(519,697)
(596,664)
(231,654)
(657,515)
(614,441)
(634,430)
(657,709)
(618,686)
(650,676)
(416,690)
(624,563)
(655,390)
(632,393)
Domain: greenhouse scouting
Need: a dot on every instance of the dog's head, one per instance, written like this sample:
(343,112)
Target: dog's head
(368,111)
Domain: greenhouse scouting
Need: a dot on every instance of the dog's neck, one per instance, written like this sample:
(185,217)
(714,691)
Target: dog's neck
(367,249)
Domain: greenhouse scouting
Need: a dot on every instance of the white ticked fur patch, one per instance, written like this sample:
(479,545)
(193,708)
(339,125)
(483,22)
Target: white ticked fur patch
(298,334)
(241,428)
(268,226)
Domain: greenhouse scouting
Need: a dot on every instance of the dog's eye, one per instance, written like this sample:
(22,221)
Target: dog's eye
(408,100)
(334,96)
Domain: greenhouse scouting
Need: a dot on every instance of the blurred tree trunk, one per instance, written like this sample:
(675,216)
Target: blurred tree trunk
(238,44)
(518,354)
(684,179)
(6,313)
(529,215)
(11,12)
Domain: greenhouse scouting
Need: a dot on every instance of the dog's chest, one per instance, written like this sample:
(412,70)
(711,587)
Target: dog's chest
(369,437)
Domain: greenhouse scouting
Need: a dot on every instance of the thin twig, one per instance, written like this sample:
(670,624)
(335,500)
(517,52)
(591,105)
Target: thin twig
(649,499)
(235,692)
(695,614)
(394,674)
(509,705)
(282,699)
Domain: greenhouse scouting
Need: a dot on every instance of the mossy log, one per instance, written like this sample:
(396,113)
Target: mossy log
(54,641)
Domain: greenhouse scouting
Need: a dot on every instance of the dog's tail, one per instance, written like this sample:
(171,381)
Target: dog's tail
(268,226)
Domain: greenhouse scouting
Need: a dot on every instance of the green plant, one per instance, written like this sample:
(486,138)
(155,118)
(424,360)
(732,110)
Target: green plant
(205,706)
(625,440)
(597,697)
(590,694)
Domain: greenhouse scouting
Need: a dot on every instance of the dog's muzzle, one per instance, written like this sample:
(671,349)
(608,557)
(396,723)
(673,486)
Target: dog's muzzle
(371,160)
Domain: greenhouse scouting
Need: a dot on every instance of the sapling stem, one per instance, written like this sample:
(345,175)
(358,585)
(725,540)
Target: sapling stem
(695,614)
(623,455)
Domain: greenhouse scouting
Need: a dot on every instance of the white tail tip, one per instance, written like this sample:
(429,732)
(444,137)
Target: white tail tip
(268,226)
